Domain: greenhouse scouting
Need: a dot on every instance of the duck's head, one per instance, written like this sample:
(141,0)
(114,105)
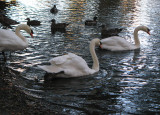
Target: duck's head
(53,21)
(95,18)
(28,19)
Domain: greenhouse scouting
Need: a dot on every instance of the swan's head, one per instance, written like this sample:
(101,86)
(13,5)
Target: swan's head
(29,30)
(26,28)
(144,28)
(97,42)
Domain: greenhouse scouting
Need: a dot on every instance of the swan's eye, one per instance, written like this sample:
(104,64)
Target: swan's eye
(148,29)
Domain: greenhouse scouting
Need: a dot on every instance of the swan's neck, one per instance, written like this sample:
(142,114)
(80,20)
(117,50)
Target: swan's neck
(94,57)
(136,39)
(17,31)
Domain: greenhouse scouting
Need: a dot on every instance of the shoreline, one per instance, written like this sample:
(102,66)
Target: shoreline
(14,101)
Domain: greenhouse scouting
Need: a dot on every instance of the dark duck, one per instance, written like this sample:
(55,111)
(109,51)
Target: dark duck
(7,22)
(109,32)
(61,27)
(54,10)
(91,22)
(33,22)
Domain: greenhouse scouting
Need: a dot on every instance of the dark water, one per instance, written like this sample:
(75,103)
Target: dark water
(128,82)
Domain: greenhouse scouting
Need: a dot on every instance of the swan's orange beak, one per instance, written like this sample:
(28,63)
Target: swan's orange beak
(100,46)
(31,35)
(149,32)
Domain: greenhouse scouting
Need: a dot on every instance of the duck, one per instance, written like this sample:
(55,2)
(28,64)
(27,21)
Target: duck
(91,22)
(4,23)
(109,32)
(72,65)
(117,43)
(58,26)
(54,10)
(13,41)
(33,22)
(7,22)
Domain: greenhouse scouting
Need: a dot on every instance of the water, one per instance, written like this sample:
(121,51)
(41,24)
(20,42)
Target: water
(127,83)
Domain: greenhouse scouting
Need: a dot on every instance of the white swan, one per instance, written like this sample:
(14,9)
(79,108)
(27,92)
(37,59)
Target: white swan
(116,43)
(12,41)
(72,65)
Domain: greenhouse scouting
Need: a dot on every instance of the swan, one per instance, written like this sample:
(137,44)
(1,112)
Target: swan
(12,41)
(71,65)
(116,43)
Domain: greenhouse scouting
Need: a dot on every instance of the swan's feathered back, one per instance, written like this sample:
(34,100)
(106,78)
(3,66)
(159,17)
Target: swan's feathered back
(69,60)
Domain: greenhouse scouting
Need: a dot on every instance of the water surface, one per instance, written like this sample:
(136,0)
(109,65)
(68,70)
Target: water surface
(128,82)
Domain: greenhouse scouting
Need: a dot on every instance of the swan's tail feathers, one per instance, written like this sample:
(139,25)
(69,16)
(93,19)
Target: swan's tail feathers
(50,69)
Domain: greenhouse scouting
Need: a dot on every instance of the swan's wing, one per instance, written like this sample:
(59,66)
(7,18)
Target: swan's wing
(116,43)
(71,64)
(6,34)
(59,60)
(77,62)
(58,64)
(69,61)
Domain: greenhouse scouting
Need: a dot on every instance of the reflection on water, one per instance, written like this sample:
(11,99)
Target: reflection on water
(128,82)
